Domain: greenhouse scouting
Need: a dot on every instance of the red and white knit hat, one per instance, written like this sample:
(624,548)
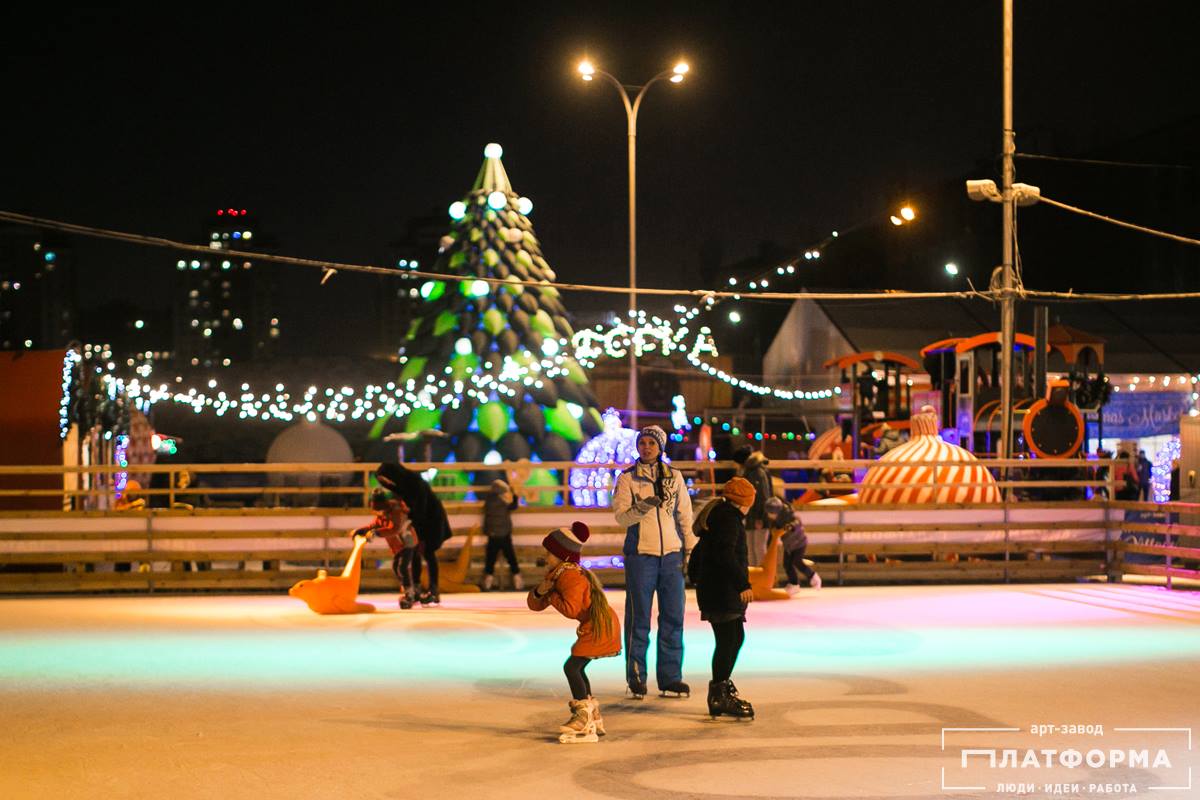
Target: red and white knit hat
(567,544)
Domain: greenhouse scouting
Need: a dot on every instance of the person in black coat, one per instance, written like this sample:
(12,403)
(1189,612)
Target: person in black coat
(723,590)
(428,517)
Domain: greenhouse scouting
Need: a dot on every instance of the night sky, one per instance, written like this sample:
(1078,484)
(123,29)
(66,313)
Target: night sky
(337,128)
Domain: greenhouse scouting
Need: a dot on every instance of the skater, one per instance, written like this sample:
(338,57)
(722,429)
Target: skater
(391,521)
(428,517)
(723,590)
(651,501)
(498,506)
(781,516)
(577,594)
(752,465)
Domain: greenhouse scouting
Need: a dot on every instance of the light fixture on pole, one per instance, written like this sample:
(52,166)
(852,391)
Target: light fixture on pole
(588,71)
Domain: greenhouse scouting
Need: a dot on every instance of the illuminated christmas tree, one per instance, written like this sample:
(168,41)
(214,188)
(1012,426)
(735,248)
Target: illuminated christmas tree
(488,361)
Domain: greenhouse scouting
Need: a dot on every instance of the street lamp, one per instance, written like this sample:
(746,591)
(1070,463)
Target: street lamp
(588,71)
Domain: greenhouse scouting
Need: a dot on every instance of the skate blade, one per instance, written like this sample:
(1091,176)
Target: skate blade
(578,738)
(675,694)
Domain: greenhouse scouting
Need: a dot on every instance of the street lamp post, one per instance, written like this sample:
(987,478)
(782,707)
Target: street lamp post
(675,75)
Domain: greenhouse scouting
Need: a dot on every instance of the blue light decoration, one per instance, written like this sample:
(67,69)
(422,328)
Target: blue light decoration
(50,256)
(1160,470)
(121,456)
(679,415)
(603,562)
(237,234)
(617,444)
(70,359)
(458,210)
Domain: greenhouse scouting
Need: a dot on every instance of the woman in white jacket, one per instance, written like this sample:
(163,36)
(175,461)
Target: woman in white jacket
(651,500)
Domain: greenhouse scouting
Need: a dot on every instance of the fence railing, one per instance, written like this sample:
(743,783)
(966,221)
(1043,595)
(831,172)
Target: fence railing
(238,535)
(92,488)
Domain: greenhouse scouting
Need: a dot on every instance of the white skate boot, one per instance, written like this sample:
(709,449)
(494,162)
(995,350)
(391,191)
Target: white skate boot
(518,582)
(815,581)
(792,589)
(599,720)
(581,727)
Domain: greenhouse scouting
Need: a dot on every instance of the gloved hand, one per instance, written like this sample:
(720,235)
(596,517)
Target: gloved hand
(645,504)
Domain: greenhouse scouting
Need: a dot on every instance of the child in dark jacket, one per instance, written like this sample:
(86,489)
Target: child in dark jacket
(781,516)
(577,594)
(723,590)
(498,506)
(391,521)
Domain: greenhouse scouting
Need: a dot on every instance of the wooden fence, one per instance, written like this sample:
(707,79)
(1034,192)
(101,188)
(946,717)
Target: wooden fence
(270,548)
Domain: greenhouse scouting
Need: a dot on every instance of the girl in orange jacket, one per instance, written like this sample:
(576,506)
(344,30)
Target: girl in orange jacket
(577,594)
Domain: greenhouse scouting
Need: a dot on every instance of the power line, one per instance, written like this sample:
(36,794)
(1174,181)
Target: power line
(338,266)
(1102,163)
(882,294)
(1120,223)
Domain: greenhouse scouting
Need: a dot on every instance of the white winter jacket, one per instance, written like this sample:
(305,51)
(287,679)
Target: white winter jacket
(652,530)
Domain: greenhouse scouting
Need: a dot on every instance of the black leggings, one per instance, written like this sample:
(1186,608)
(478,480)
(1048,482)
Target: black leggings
(431,563)
(793,562)
(729,636)
(581,687)
(402,565)
(495,546)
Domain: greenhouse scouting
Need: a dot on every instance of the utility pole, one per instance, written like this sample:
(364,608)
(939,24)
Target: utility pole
(1007,302)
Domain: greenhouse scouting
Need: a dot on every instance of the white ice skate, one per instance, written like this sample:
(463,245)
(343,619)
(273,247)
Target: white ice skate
(815,581)
(518,582)
(792,589)
(581,727)
(599,720)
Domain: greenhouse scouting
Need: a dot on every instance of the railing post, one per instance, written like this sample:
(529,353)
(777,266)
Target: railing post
(366,498)
(1006,541)
(841,550)
(171,489)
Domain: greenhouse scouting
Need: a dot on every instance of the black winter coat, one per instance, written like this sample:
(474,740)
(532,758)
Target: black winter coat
(724,573)
(425,510)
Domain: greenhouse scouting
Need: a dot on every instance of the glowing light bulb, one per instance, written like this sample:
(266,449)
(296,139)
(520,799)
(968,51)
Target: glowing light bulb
(493,150)
(497,200)
(458,210)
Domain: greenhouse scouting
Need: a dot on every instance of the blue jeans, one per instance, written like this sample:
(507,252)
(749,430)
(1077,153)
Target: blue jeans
(645,575)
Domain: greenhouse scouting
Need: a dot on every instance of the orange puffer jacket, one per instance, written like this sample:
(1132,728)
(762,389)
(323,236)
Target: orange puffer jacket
(572,596)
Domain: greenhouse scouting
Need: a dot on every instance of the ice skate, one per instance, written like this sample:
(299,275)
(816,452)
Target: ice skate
(427,598)
(489,581)
(815,581)
(599,720)
(637,689)
(792,589)
(675,689)
(518,582)
(406,599)
(724,701)
(581,727)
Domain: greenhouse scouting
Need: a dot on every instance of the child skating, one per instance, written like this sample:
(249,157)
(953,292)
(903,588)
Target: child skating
(392,523)
(781,516)
(577,594)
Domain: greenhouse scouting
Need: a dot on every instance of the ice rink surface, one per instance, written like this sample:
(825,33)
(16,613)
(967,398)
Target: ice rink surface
(257,697)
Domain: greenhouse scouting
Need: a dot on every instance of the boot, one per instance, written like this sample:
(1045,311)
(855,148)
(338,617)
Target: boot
(406,599)
(815,581)
(581,727)
(488,582)
(637,688)
(518,582)
(675,689)
(599,720)
(723,700)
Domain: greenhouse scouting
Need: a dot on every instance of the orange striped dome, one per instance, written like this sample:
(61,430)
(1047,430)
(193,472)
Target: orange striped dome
(920,484)
(827,442)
